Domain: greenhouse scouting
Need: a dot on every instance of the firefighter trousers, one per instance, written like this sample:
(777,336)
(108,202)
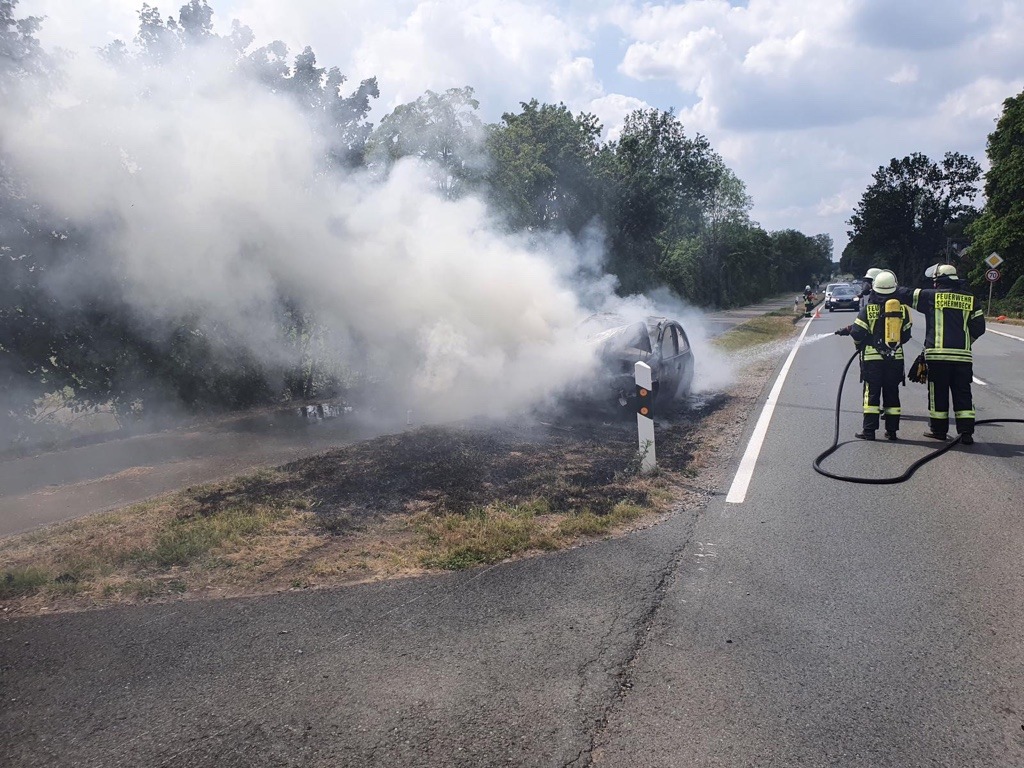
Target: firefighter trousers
(882,379)
(945,378)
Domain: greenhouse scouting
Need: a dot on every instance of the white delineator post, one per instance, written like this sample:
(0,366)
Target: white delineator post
(645,421)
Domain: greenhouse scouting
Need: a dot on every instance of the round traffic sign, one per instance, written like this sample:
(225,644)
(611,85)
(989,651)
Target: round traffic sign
(992,275)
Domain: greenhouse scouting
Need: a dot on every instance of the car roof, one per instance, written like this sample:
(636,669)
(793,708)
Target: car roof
(613,330)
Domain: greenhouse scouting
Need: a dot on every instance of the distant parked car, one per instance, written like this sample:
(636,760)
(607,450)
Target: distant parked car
(843,296)
(660,342)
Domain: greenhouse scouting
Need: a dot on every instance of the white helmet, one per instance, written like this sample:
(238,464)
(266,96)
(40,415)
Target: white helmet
(807,287)
(885,282)
(947,271)
(872,273)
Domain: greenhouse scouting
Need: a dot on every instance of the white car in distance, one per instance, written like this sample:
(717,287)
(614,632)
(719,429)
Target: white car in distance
(828,290)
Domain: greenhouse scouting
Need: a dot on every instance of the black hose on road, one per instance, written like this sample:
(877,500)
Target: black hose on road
(885,480)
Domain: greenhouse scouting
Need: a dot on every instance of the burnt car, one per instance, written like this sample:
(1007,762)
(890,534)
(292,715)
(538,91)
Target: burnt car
(658,341)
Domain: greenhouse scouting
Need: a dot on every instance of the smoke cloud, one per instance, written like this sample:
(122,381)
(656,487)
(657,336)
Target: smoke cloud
(215,201)
(208,196)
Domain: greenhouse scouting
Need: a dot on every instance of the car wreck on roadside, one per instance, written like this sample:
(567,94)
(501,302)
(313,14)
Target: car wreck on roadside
(660,342)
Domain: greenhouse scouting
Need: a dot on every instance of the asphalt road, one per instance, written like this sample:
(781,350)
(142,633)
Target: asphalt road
(819,623)
(60,485)
(814,624)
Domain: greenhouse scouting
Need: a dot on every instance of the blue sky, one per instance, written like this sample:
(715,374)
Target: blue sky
(803,98)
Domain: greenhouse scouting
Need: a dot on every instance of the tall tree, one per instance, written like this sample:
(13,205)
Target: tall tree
(798,259)
(442,129)
(319,91)
(909,214)
(724,232)
(660,179)
(542,173)
(20,53)
(24,332)
(1000,228)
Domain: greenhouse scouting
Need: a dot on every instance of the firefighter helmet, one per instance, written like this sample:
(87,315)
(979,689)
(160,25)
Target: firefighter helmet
(946,271)
(872,273)
(885,282)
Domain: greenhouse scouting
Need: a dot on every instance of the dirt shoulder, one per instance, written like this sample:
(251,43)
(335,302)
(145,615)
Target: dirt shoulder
(397,506)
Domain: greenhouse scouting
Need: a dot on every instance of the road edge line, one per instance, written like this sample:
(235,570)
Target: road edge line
(745,472)
(1007,335)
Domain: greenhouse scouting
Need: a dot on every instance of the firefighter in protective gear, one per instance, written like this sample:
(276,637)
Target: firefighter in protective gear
(881,329)
(808,300)
(868,279)
(953,321)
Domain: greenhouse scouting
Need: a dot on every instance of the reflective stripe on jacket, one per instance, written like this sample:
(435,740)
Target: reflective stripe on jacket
(953,322)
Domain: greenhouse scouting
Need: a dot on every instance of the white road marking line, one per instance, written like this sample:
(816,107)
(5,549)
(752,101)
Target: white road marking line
(1007,335)
(745,473)
(979,381)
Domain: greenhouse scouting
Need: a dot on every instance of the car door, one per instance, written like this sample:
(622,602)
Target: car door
(685,363)
(670,373)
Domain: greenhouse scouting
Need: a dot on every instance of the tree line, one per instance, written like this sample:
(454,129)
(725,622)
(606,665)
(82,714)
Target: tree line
(918,212)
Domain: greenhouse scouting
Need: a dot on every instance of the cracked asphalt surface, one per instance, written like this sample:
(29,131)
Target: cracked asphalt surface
(516,664)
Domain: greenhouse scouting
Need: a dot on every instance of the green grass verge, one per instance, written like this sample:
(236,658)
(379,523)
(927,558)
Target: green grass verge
(757,331)
(23,581)
(499,531)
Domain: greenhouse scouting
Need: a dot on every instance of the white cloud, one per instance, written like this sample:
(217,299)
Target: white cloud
(507,50)
(612,109)
(575,84)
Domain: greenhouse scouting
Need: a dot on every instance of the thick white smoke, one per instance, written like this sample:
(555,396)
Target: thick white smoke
(214,199)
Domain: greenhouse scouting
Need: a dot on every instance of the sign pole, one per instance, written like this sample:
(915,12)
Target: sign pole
(645,417)
(992,275)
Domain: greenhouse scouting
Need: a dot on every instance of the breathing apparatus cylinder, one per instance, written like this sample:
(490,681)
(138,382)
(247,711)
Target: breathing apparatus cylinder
(893,323)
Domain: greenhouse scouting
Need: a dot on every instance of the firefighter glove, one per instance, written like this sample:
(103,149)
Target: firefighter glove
(918,370)
(843,331)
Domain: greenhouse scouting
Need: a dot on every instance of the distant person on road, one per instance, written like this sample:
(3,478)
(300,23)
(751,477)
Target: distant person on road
(808,300)
(954,321)
(881,367)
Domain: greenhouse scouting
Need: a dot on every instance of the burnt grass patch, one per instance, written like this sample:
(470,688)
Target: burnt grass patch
(579,465)
(435,497)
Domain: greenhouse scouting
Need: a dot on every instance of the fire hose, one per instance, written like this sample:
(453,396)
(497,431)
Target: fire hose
(885,480)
